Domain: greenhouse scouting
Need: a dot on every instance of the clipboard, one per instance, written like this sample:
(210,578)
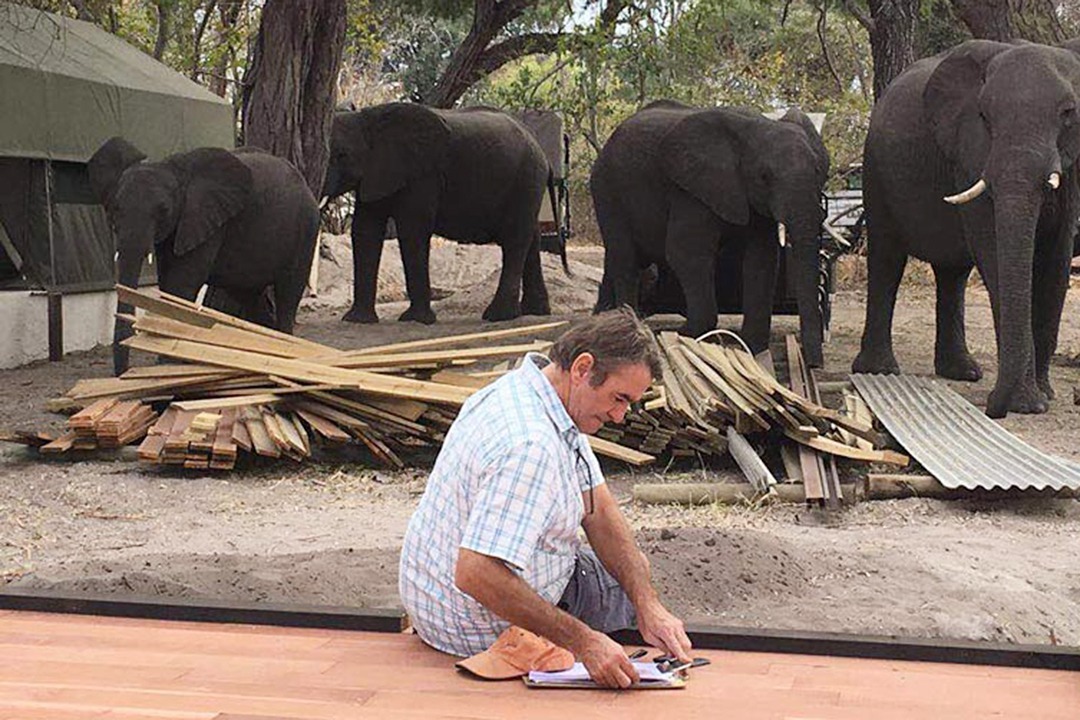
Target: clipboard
(677,683)
(577,677)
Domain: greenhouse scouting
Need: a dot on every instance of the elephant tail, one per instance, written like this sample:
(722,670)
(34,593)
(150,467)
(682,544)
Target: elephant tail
(552,198)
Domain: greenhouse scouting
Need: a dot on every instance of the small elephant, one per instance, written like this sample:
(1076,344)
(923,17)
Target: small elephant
(971,160)
(674,184)
(241,221)
(474,175)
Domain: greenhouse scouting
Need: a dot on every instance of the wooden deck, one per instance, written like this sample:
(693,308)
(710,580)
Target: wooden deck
(78,666)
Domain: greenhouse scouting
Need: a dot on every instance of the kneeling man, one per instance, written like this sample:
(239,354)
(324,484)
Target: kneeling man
(495,539)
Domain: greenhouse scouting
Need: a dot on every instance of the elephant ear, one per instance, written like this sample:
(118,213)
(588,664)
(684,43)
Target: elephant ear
(951,97)
(107,165)
(214,188)
(406,141)
(701,154)
(795,116)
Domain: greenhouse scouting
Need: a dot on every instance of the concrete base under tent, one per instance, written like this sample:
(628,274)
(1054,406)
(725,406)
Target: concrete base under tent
(28,334)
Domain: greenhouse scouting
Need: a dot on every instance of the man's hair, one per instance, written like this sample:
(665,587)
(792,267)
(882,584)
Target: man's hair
(614,338)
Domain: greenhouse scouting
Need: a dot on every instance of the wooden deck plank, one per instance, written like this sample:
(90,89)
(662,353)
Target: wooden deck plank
(67,666)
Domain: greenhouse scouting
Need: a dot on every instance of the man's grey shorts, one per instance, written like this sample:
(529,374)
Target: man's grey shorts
(595,597)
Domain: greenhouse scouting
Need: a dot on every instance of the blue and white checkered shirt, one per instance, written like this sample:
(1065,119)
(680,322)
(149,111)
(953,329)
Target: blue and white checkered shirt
(508,483)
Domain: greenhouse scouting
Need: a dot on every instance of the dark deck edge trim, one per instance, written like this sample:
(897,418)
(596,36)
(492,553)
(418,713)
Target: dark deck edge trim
(705,637)
(309,616)
(877,647)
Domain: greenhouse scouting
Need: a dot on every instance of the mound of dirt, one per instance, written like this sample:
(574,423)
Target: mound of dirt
(705,572)
(463,278)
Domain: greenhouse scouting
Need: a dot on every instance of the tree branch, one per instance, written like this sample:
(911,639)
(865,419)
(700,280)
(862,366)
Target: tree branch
(856,12)
(821,26)
(81,11)
(162,30)
(200,30)
(513,48)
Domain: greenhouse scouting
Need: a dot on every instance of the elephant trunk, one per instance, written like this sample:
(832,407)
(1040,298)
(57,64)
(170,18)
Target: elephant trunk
(806,266)
(129,266)
(332,183)
(1016,214)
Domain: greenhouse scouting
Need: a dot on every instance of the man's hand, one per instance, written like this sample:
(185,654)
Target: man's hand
(663,630)
(605,660)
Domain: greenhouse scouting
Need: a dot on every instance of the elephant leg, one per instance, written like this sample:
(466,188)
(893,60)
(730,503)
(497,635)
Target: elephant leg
(506,304)
(534,294)
(1050,283)
(414,239)
(760,260)
(951,356)
(288,291)
(619,285)
(885,269)
(368,233)
(693,236)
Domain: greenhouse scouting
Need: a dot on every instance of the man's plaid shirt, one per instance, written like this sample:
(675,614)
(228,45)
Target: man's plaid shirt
(508,483)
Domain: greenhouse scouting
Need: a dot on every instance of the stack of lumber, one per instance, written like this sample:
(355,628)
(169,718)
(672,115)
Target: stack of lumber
(107,423)
(708,387)
(244,388)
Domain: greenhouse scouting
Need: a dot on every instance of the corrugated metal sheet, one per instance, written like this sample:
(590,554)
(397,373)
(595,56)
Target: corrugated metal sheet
(955,441)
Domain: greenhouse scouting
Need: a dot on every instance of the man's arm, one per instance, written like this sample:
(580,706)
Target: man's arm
(611,539)
(496,587)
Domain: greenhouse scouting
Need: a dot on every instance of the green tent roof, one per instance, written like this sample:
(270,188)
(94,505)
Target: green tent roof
(68,86)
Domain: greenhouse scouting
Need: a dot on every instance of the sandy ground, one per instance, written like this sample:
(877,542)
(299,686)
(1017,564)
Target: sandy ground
(329,532)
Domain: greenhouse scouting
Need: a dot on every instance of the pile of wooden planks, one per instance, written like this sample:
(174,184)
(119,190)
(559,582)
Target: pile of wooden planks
(107,423)
(708,388)
(243,388)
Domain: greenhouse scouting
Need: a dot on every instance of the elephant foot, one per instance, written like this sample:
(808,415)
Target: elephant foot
(424,316)
(496,312)
(535,306)
(875,364)
(814,357)
(1026,401)
(693,331)
(958,367)
(356,315)
(1045,388)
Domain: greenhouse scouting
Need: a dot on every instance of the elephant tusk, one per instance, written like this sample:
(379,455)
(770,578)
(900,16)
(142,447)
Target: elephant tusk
(968,195)
(781,234)
(322,203)
(1054,180)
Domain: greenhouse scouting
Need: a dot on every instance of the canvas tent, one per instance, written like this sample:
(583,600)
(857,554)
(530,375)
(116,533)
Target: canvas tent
(67,86)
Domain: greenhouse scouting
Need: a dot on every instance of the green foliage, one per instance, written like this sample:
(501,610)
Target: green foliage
(709,52)
(937,28)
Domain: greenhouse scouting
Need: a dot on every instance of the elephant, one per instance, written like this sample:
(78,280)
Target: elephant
(674,185)
(240,221)
(473,175)
(970,161)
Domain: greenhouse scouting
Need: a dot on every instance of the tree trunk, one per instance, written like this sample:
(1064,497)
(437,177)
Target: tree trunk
(489,18)
(1005,20)
(163,23)
(289,90)
(229,12)
(477,58)
(892,39)
(986,19)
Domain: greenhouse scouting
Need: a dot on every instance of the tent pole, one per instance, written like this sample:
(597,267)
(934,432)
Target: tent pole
(55,298)
(56,326)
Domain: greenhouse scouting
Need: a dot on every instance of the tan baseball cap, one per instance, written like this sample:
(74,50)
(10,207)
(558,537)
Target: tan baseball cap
(515,653)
